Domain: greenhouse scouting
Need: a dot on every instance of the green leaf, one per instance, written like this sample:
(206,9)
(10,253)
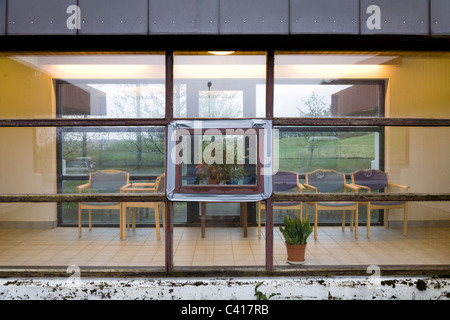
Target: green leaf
(295,231)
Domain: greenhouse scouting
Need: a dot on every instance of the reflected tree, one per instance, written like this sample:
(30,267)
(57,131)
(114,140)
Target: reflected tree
(318,108)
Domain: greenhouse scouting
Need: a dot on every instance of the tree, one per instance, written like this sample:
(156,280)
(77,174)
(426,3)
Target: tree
(317,107)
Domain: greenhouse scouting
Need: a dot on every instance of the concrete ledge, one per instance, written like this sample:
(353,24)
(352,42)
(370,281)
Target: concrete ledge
(302,288)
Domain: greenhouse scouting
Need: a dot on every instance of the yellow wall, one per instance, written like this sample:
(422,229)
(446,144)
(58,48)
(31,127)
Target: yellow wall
(27,155)
(417,156)
(420,156)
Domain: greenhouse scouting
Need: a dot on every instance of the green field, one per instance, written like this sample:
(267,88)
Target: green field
(344,153)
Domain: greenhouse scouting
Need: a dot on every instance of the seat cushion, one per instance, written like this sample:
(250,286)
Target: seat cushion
(336,204)
(285,204)
(100,203)
(387,203)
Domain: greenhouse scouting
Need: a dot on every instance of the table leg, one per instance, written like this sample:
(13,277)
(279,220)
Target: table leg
(243,208)
(156,210)
(202,218)
(122,222)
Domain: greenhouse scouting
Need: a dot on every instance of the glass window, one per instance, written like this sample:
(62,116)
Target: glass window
(139,151)
(224,160)
(211,85)
(88,85)
(330,85)
(223,92)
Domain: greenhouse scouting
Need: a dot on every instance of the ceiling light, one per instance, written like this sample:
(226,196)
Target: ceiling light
(221,53)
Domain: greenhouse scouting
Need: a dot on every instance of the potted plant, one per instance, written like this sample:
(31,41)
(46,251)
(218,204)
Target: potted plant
(295,232)
(216,173)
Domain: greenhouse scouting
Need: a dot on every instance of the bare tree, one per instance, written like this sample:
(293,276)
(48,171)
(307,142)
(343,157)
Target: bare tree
(317,107)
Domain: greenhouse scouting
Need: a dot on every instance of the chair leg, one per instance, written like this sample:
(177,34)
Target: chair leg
(90,220)
(156,210)
(127,221)
(79,222)
(343,220)
(163,215)
(259,220)
(386,218)
(122,219)
(405,221)
(356,222)
(133,219)
(368,222)
(352,216)
(315,222)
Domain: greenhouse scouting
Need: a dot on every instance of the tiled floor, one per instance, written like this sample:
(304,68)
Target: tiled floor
(220,247)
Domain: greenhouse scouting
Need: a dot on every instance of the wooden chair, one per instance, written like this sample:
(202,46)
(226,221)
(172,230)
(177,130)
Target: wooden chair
(377,181)
(110,181)
(331,181)
(156,187)
(283,181)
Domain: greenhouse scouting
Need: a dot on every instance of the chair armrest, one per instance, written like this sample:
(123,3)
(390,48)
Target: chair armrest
(402,186)
(142,184)
(362,187)
(83,186)
(125,187)
(300,187)
(308,186)
(354,187)
(138,187)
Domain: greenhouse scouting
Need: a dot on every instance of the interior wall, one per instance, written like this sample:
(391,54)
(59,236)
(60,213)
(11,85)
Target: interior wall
(28,155)
(419,156)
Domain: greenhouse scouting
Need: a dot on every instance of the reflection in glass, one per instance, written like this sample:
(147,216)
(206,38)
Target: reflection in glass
(304,150)
(139,151)
(210,86)
(327,100)
(111,100)
(217,159)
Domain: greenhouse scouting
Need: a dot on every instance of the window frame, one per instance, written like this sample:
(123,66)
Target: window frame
(221,189)
(169,269)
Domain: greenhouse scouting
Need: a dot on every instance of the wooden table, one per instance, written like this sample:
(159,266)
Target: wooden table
(243,217)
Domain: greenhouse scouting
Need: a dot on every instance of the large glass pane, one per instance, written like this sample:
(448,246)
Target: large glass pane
(379,160)
(138,151)
(208,85)
(88,85)
(304,149)
(214,235)
(362,85)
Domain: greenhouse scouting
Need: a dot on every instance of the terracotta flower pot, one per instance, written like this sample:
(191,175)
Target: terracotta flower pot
(296,253)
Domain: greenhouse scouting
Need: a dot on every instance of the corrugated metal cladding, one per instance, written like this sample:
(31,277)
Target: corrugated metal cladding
(2,17)
(82,17)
